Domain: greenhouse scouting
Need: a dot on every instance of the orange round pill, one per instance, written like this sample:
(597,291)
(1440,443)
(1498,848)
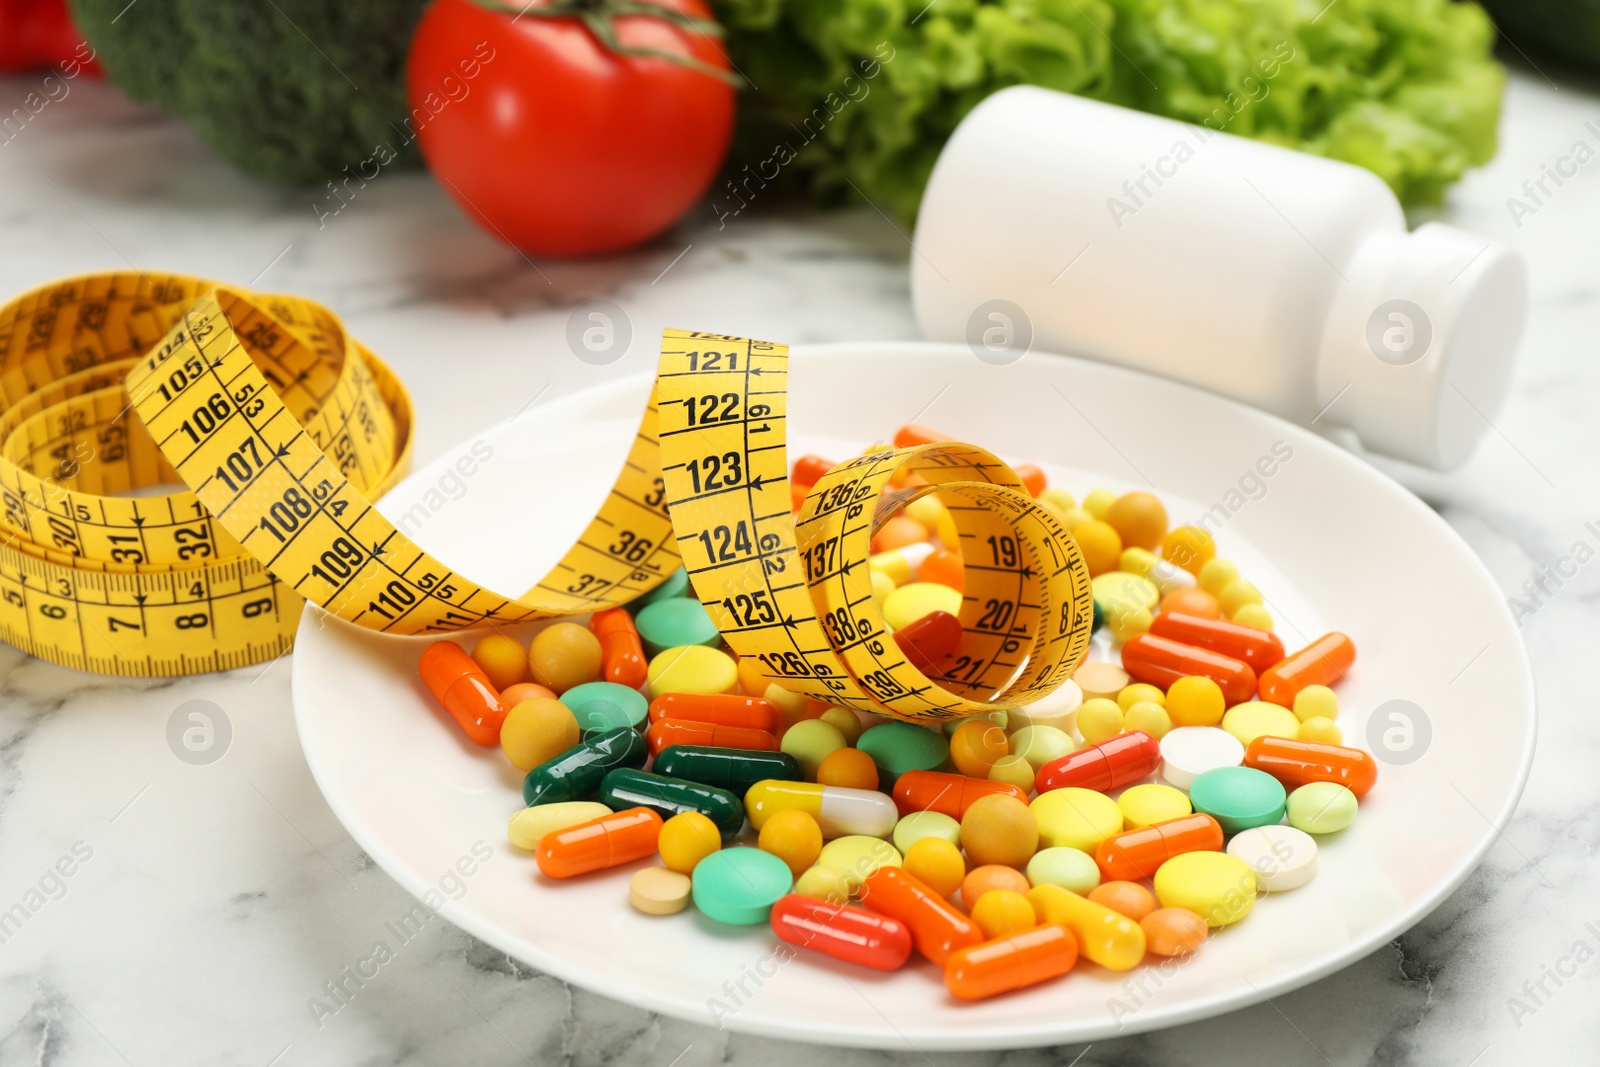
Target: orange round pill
(981,880)
(848,767)
(504,660)
(1100,544)
(525,691)
(976,745)
(1173,931)
(1188,547)
(1191,601)
(1124,898)
(937,863)
(1139,518)
(944,566)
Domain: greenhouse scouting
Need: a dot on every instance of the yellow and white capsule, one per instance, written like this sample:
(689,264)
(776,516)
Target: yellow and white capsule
(901,564)
(841,812)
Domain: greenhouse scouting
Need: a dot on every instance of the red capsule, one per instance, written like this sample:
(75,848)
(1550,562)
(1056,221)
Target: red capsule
(664,733)
(808,470)
(1296,763)
(1122,760)
(621,837)
(845,933)
(1258,649)
(721,709)
(1161,661)
(1135,854)
(621,650)
(457,682)
(1322,662)
(1012,962)
(929,640)
(951,794)
(937,929)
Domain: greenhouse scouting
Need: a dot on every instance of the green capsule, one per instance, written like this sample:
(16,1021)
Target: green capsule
(626,788)
(735,770)
(577,772)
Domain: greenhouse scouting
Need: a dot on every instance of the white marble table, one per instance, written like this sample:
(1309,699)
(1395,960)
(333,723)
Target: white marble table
(208,904)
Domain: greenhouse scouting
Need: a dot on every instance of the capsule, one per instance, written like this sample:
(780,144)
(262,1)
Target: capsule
(911,435)
(1135,854)
(1297,763)
(457,682)
(1115,762)
(609,841)
(622,656)
(1257,649)
(576,773)
(1013,962)
(733,769)
(1160,661)
(901,564)
(853,935)
(722,709)
(1322,662)
(930,639)
(626,787)
(664,733)
(808,470)
(841,812)
(938,930)
(949,794)
(1113,941)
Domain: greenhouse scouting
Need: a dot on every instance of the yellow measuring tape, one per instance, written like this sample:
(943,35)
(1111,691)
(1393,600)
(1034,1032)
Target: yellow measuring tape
(283,429)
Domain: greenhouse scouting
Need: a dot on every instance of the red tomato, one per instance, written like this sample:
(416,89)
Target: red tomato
(557,145)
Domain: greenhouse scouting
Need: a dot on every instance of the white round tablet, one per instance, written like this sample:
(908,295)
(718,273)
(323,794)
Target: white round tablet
(1282,857)
(1189,751)
(1059,709)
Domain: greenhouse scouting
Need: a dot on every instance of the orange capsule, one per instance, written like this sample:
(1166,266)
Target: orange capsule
(1297,763)
(722,709)
(938,930)
(1033,479)
(944,566)
(930,639)
(951,794)
(1322,662)
(797,497)
(808,470)
(1161,661)
(621,651)
(457,682)
(621,837)
(1013,962)
(664,733)
(898,532)
(911,435)
(1258,649)
(1135,854)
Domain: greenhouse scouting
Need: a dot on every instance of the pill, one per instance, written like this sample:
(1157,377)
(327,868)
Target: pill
(848,767)
(563,655)
(668,732)
(792,707)
(658,891)
(1220,888)
(1188,547)
(1124,898)
(674,623)
(999,829)
(1320,730)
(951,794)
(856,856)
(1256,648)
(847,723)
(1058,710)
(720,709)
(1282,857)
(809,469)
(1314,702)
(1100,678)
(525,691)
(913,600)
(853,935)
(1015,961)
(823,883)
(976,745)
(674,585)
(928,640)
(1173,931)
(1162,662)
(687,838)
(1139,853)
(1146,805)
(739,886)
(1099,719)
(1003,913)
(1122,760)
(923,824)
(1196,603)
(505,661)
(938,930)
(991,878)
(897,747)
(691,669)
(945,566)
(810,742)
(608,841)
(576,773)
(626,787)
(1148,717)
(794,837)
(1069,868)
(622,659)
(735,770)
(1076,818)
(528,826)
(911,435)
(1321,808)
(1195,700)
(1139,517)
(897,533)
(937,863)
(1259,718)
(1236,596)
(1099,544)
(1039,745)
(1013,770)
(1295,763)
(1322,662)
(1238,798)
(901,566)
(1139,693)
(1113,941)
(461,686)
(1189,751)
(536,730)
(840,812)
(605,705)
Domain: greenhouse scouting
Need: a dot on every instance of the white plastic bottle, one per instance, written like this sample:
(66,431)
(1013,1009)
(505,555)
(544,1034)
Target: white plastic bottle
(1273,276)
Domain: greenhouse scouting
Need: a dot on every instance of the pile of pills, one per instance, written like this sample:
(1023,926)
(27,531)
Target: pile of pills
(1139,807)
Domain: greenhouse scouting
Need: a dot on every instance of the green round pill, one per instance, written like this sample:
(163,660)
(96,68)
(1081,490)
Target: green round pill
(605,705)
(919,824)
(675,622)
(676,585)
(1069,868)
(898,747)
(740,885)
(1238,797)
(1322,808)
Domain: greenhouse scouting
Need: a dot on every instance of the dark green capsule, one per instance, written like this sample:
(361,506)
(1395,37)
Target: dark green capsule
(733,769)
(626,788)
(577,772)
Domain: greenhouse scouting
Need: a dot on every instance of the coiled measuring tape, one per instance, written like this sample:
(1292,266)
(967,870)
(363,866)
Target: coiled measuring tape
(282,429)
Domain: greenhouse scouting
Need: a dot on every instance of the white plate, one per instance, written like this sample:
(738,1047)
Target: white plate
(1332,544)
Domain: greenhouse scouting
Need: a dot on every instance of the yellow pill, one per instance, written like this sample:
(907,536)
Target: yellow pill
(1038,745)
(1000,912)
(1255,616)
(911,602)
(1146,805)
(1237,594)
(1316,701)
(1188,547)
(1139,561)
(659,891)
(1112,940)
(1076,818)
(792,836)
(1099,720)
(844,720)
(1073,518)
(792,707)
(686,839)
(1100,678)
(1098,503)
(1220,888)
(1321,731)
(502,659)
(1118,592)
(536,730)
(929,511)
(900,564)
(1140,693)
(823,883)
(1217,575)
(857,856)
(882,586)
(564,655)
(938,863)
(1014,770)
(1126,627)
(1258,718)
(691,669)
(1149,717)
(1195,701)
(529,825)
(1100,544)
(1059,499)
(811,741)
